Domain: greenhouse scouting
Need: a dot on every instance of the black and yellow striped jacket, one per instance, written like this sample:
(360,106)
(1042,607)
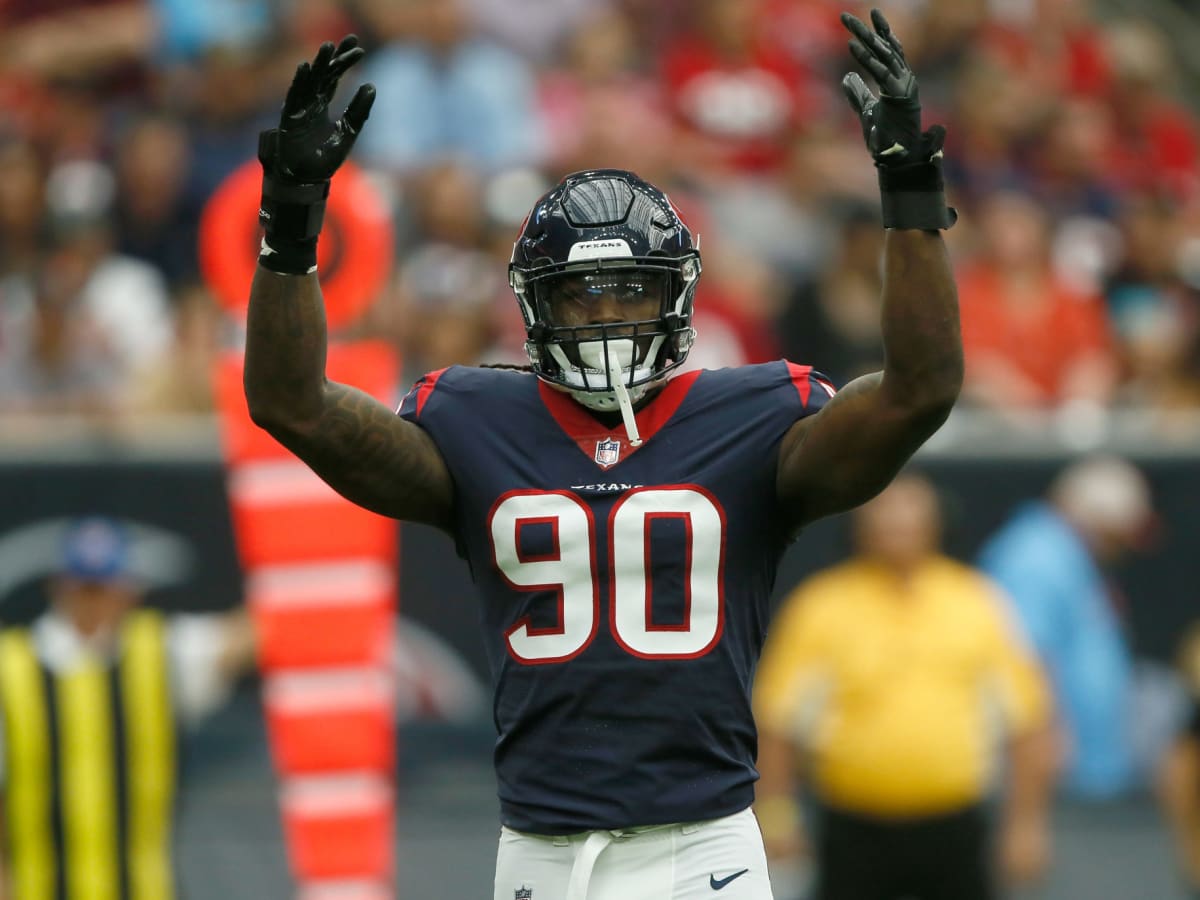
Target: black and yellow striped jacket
(90,769)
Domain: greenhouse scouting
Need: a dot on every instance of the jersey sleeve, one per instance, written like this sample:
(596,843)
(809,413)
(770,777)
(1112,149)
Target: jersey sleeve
(814,389)
(418,395)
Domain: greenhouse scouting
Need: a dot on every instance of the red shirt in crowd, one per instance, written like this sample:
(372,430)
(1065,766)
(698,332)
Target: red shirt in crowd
(1041,339)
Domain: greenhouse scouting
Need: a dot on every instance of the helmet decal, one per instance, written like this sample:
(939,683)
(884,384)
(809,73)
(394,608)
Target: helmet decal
(599,249)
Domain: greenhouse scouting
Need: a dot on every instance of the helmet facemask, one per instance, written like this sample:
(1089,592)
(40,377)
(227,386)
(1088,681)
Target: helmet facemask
(583,318)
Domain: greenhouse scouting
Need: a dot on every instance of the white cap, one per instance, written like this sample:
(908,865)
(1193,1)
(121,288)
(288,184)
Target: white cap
(1103,492)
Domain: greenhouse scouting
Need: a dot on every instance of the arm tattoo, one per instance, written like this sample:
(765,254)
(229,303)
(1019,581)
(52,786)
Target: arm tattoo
(352,441)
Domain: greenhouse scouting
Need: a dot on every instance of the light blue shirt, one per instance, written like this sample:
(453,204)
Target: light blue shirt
(476,104)
(186,29)
(1062,598)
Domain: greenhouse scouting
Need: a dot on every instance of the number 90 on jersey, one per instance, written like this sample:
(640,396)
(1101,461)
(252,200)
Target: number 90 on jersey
(571,570)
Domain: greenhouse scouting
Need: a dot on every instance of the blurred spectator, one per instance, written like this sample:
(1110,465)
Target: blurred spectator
(535,29)
(996,113)
(446,295)
(832,322)
(227,96)
(737,302)
(879,689)
(738,96)
(445,91)
(448,281)
(156,220)
(1070,164)
(78,331)
(92,693)
(1031,339)
(1058,43)
(1050,558)
(599,108)
(816,40)
(447,206)
(85,40)
(1157,150)
(187,31)
(22,208)
(181,380)
(1178,780)
(1154,305)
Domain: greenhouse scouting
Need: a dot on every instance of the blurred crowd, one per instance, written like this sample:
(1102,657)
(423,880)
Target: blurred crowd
(1072,158)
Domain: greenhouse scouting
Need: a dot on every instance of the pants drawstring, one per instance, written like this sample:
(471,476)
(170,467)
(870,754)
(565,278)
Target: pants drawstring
(581,870)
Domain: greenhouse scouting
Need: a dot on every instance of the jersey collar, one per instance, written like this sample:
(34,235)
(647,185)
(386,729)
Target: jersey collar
(608,445)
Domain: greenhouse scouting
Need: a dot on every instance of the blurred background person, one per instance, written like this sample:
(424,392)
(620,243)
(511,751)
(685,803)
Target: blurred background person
(1051,558)
(897,690)
(91,694)
(737,95)
(1153,299)
(1031,339)
(825,323)
(1178,776)
(80,326)
(600,93)
(446,90)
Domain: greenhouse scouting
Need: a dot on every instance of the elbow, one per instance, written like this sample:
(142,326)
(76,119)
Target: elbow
(273,412)
(936,404)
(267,416)
(931,395)
(263,414)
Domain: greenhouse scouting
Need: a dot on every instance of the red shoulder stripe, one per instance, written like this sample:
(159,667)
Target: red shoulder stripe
(428,383)
(800,378)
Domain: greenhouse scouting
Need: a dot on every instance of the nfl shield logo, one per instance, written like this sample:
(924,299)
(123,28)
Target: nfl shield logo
(523,893)
(608,452)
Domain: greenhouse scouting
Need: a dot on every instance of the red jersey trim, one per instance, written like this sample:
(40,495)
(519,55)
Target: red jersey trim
(585,431)
(800,378)
(425,390)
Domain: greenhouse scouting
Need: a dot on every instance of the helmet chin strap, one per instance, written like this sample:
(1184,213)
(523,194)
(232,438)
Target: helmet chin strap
(613,366)
(615,357)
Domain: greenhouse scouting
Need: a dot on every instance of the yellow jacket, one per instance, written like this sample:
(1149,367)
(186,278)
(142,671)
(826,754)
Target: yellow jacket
(898,690)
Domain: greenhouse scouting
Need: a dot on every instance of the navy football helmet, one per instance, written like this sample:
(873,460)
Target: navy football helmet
(605,272)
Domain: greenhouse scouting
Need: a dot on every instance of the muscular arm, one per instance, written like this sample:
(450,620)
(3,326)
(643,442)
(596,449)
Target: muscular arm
(365,451)
(853,447)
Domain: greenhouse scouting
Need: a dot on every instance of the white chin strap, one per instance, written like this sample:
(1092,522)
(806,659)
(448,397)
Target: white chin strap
(615,366)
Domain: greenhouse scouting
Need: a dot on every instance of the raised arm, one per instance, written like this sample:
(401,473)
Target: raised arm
(853,447)
(355,443)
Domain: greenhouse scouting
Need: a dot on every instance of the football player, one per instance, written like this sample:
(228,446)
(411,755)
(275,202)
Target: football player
(623,522)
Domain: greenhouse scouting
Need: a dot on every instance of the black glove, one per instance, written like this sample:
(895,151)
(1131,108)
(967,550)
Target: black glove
(909,161)
(301,155)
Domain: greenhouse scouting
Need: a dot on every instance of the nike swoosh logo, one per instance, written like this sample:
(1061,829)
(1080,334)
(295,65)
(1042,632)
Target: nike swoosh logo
(716,884)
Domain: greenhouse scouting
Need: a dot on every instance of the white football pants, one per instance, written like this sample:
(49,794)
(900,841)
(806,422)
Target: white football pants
(720,859)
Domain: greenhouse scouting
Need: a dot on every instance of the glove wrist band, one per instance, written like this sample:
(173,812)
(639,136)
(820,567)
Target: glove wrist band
(291,216)
(913,197)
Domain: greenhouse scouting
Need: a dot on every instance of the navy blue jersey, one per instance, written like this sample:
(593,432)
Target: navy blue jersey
(625,590)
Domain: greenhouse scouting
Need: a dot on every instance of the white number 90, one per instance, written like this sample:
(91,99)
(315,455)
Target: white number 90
(571,570)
